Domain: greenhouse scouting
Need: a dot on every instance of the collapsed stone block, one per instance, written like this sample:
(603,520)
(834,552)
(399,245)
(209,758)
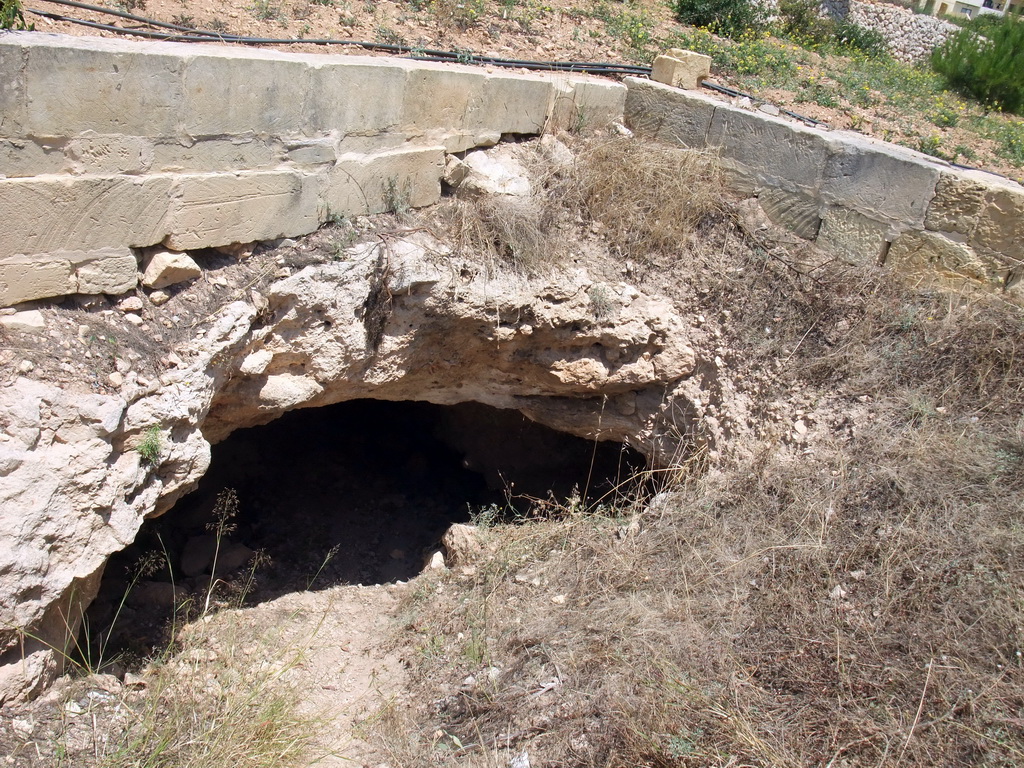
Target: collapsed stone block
(681,69)
(165,268)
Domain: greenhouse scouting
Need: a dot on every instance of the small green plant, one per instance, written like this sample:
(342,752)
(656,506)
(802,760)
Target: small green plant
(185,20)
(1010,141)
(462,14)
(486,517)
(635,28)
(816,91)
(932,145)
(988,68)
(397,197)
(267,10)
(152,445)
(388,36)
(602,301)
(801,21)
(12,17)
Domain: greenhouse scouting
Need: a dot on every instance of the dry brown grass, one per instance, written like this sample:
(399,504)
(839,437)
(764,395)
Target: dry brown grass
(645,200)
(857,604)
(514,233)
(649,197)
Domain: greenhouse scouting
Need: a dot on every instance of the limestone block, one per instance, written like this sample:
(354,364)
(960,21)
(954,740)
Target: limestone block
(362,184)
(89,84)
(230,94)
(24,157)
(958,201)
(26,278)
(880,180)
(12,83)
(508,103)
(1001,222)
(223,208)
(239,152)
(797,213)
(585,103)
(437,105)
(356,95)
(853,236)
(661,112)
(29,321)
(48,275)
(91,153)
(165,268)
(781,153)
(105,270)
(51,213)
(681,69)
(930,253)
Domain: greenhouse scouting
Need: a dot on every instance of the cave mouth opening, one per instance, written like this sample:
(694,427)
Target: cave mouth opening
(360,492)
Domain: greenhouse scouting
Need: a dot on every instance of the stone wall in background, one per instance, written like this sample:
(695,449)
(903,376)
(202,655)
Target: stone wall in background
(910,36)
(865,200)
(111,146)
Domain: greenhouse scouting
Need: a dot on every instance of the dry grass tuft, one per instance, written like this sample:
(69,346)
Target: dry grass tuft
(208,706)
(501,230)
(649,197)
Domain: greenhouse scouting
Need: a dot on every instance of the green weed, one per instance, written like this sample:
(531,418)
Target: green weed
(12,17)
(152,445)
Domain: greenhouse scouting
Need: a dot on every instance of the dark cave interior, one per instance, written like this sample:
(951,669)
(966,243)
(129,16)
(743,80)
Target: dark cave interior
(360,492)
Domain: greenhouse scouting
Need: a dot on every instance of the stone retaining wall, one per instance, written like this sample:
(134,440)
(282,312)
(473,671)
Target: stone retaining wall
(910,36)
(109,146)
(866,200)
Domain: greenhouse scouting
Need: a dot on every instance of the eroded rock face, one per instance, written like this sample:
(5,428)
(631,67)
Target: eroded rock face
(398,319)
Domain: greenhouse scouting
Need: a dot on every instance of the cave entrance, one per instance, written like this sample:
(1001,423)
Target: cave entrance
(355,493)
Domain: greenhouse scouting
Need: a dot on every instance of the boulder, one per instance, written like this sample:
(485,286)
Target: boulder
(165,268)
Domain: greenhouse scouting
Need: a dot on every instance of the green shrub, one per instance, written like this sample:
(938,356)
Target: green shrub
(801,21)
(730,18)
(11,16)
(989,69)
